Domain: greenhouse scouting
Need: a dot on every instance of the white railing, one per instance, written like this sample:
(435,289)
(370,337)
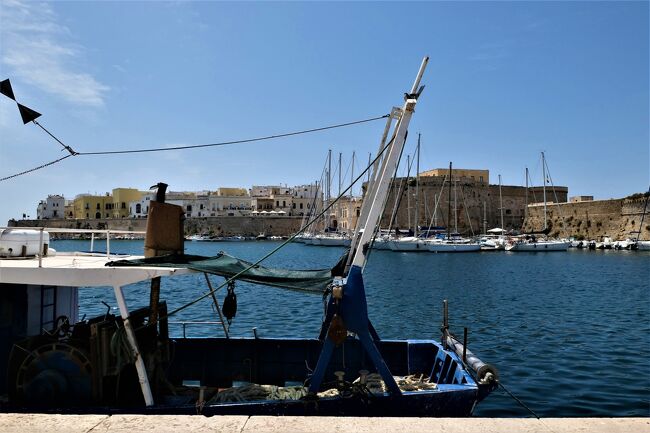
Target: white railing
(91,232)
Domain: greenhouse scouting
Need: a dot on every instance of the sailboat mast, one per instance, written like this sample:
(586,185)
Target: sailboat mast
(350,205)
(329,184)
(484,218)
(338,203)
(501,203)
(455,205)
(526,203)
(417,189)
(544,187)
(449,205)
(408,192)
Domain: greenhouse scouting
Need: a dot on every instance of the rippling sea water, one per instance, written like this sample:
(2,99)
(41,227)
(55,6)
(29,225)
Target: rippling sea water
(569,332)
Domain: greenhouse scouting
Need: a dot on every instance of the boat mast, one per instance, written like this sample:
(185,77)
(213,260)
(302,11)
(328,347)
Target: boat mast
(501,204)
(484,218)
(455,205)
(544,187)
(329,186)
(338,203)
(375,200)
(449,205)
(408,192)
(526,205)
(350,205)
(417,189)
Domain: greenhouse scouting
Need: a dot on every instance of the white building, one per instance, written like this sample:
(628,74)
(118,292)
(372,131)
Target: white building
(198,204)
(53,207)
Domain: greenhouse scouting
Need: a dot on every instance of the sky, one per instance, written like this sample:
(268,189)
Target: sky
(505,81)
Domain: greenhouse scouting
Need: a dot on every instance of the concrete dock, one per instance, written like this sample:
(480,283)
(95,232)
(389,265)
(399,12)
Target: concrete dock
(23,423)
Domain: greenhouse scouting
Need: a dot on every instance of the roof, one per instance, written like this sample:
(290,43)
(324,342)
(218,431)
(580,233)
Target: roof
(79,270)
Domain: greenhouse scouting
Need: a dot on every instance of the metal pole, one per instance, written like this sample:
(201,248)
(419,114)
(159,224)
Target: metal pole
(449,205)
(216,305)
(501,204)
(484,218)
(417,189)
(526,206)
(92,242)
(465,345)
(455,205)
(408,192)
(108,243)
(544,187)
(130,334)
(40,247)
(445,323)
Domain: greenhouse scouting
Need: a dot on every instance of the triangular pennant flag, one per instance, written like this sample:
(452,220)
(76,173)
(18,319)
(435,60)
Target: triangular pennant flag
(5,89)
(27,113)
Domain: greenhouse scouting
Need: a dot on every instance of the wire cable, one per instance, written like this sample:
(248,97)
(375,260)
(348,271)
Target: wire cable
(72,152)
(224,143)
(36,168)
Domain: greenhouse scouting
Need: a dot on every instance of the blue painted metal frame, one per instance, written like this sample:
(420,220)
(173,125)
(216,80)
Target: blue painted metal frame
(353,310)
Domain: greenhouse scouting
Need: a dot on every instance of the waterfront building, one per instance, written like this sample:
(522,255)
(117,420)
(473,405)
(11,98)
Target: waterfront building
(87,206)
(122,198)
(581,198)
(53,207)
(477,176)
(69,209)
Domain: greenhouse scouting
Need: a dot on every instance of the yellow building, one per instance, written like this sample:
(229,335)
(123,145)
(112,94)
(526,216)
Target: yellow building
(480,176)
(88,206)
(232,192)
(122,197)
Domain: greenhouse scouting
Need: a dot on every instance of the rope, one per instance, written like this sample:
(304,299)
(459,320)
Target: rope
(223,143)
(72,152)
(35,168)
(521,403)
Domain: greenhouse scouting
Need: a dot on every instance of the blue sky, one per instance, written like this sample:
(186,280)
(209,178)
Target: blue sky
(506,80)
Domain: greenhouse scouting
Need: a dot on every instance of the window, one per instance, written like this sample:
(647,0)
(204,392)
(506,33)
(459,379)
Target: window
(294,205)
(123,205)
(87,206)
(188,208)
(300,205)
(138,208)
(98,207)
(284,203)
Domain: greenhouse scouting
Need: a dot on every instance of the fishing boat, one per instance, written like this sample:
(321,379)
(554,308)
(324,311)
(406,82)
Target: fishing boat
(129,363)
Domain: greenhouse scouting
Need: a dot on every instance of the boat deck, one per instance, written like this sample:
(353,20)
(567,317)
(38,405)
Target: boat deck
(78,270)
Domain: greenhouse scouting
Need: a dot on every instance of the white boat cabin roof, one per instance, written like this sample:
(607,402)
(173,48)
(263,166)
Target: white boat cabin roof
(78,270)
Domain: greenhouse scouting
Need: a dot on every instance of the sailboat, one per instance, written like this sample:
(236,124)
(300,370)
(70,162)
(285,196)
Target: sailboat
(532,242)
(494,239)
(452,242)
(411,243)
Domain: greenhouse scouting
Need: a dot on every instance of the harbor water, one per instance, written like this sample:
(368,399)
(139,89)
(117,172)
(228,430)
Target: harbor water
(569,331)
